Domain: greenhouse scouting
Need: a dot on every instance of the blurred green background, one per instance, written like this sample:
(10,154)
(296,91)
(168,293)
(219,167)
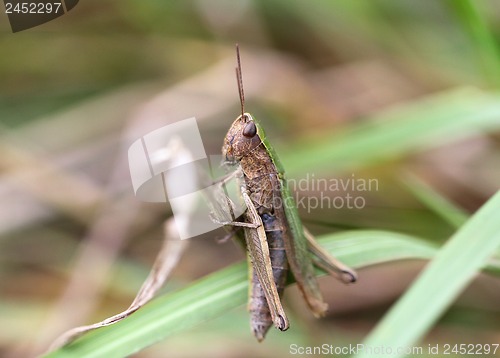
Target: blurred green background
(75,244)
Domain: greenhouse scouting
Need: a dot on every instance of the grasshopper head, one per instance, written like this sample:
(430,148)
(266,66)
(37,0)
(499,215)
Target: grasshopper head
(241,139)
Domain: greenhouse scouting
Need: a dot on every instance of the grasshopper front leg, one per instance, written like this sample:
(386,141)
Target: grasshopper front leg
(234,223)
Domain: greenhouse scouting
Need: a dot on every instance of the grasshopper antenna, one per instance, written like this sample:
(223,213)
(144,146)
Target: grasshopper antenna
(239,80)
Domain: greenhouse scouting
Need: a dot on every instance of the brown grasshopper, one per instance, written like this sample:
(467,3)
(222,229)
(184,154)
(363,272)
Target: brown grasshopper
(275,240)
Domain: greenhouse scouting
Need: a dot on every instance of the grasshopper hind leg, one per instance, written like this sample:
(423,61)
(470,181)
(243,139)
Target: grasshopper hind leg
(327,262)
(260,315)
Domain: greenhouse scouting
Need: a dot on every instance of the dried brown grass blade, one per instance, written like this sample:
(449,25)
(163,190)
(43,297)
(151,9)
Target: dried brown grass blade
(167,259)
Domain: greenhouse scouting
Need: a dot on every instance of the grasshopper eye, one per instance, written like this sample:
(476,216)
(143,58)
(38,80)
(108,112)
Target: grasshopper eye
(250,130)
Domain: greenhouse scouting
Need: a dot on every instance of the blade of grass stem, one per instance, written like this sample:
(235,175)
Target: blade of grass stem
(444,278)
(224,290)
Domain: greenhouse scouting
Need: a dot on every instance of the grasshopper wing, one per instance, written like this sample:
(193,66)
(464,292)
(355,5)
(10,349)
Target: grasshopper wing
(299,257)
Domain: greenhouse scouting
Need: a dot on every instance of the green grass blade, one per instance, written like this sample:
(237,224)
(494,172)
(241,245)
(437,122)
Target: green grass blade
(413,127)
(361,248)
(226,289)
(451,213)
(215,294)
(471,15)
(454,266)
